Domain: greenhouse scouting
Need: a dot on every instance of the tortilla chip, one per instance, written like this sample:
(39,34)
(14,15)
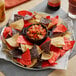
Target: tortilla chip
(33,62)
(34,52)
(18,25)
(58,41)
(46,47)
(17,17)
(12,41)
(46,56)
(39,50)
(24,47)
(60,28)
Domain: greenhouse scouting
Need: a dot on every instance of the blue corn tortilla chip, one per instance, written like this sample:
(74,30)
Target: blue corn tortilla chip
(46,47)
(17,17)
(17,52)
(45,21)
(34,52)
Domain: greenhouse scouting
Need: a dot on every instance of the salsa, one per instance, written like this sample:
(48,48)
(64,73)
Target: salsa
(36,32)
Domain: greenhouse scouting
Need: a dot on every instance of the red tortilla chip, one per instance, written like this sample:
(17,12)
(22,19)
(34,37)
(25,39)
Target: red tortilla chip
(27,24)
(47,64)
(54,57)
(54,49)
(55,20)
(48,17)
(60,28)
(21,61)
(26,58)
(22,40)
(24,12)
(62,52)
(7,30)
(68,44)
(47,39)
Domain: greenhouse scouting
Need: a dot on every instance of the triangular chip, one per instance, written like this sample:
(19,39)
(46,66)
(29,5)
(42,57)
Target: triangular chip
(18,25)
(7,31)
(16,52)
(26,57)
(33,62)
(60,28)
(34,52)
(46,56)
(27,17)
(58,41)
(17,17)
(24,12)
(54,57)
(12,41)
(53,22)
(44,21)
(47,39)
(47,64)
(68,44)
(46,47)
(24,47)
(67,35)
(22,40)
(39,50)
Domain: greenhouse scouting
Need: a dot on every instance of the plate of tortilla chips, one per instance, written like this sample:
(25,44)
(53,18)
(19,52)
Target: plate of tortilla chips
(36,40)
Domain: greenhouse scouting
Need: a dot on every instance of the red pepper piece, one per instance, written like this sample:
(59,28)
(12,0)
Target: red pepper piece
(7,30)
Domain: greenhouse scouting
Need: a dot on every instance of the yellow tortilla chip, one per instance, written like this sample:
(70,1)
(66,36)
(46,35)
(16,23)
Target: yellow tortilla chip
(24,47)
(57,41)
(12,41)
(46,56)
(18,24)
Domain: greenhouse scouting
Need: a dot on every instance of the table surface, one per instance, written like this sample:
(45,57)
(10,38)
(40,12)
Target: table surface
(17,71)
